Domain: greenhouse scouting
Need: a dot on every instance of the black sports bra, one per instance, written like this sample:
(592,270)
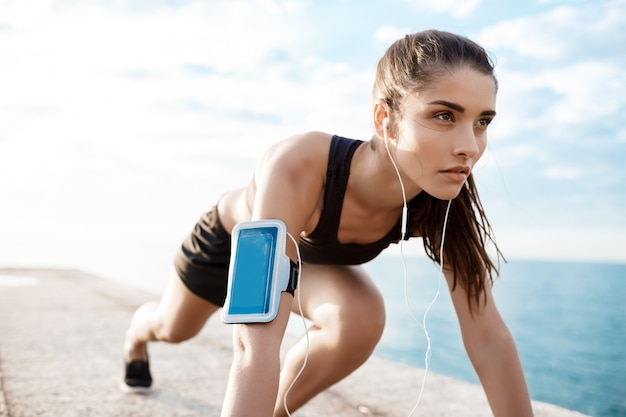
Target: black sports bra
(321,246)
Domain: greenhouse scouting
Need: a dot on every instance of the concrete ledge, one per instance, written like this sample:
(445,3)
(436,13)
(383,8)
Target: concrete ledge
(61,334)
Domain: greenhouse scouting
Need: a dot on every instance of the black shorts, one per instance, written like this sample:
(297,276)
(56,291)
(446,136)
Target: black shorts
(202,260)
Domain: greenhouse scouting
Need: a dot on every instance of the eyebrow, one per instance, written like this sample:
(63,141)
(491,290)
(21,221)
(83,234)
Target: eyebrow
(459,108)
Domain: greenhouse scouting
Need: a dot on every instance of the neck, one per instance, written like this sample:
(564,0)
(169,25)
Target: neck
(377,183)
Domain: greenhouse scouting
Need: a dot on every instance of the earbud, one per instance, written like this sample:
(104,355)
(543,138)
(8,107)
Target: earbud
(385,124)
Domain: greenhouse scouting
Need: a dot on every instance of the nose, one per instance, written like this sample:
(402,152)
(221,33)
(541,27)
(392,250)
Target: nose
(467,143)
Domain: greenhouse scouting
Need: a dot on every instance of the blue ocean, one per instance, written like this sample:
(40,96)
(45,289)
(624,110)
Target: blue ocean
(568,319)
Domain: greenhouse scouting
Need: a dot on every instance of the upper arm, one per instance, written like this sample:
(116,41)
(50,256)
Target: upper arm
(289,180)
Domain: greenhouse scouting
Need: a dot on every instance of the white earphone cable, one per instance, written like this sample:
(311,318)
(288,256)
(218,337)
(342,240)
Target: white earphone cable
(395,167)
(306,330)
(428,353)
(422,324)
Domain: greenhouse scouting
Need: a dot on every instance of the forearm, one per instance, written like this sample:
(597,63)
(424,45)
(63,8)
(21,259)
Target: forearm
(252,387)
(500,372)
(255,371)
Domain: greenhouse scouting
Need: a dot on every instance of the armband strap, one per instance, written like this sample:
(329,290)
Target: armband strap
(293,277)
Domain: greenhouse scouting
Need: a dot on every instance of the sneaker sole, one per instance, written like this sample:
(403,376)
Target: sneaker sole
(134,390)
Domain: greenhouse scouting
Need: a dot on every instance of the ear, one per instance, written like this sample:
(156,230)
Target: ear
(380,113)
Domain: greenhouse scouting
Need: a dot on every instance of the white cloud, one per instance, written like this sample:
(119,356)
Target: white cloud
(457,9)
(524,37)
(386,35)
(590,91)
(563,173)
(518,153)
(558,98)
(119,114)
(22,15)
(595,28)
(557,136)
(105,71)
(561,73)
(112,111)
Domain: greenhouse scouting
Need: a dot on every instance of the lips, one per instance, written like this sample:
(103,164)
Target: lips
(458,170)
(456,174)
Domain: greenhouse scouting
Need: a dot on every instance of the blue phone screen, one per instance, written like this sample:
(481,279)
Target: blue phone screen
(253,271)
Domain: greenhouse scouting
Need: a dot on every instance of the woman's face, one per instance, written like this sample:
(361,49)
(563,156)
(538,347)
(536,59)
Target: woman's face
(443,131)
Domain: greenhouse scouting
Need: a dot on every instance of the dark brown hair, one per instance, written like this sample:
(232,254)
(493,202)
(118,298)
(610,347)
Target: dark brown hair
(412,64)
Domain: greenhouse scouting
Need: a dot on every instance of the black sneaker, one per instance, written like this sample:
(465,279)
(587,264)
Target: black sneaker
(137,379)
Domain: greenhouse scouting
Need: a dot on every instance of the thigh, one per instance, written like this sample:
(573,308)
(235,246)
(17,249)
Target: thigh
(332,293)
(182,314)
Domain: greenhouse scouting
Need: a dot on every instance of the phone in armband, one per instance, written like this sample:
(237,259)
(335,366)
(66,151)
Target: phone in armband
(259,272)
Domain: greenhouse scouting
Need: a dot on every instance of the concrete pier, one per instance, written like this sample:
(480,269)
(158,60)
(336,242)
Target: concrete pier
(61,335)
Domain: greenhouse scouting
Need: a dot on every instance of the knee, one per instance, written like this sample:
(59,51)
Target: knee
(359,326)
(156,327)
(365,324)
(166,332)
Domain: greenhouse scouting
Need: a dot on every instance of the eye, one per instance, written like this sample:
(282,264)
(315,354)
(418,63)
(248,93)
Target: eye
(445,116)
(483,123)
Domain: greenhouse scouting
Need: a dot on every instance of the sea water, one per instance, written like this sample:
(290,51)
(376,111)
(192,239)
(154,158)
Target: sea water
(568,320)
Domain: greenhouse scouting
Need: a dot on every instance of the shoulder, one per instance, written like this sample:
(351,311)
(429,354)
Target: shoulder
(289,180)
(303,145)
(300,153)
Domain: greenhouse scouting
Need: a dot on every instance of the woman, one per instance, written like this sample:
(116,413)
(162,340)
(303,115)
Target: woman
(434,97)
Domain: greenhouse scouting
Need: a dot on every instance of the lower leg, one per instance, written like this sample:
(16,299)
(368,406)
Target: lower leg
(140,332)
(179,316)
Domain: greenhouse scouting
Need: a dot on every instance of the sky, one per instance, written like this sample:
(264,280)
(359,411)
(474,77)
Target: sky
(122,121)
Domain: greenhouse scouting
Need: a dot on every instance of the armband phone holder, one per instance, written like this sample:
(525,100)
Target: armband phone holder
(259,272)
